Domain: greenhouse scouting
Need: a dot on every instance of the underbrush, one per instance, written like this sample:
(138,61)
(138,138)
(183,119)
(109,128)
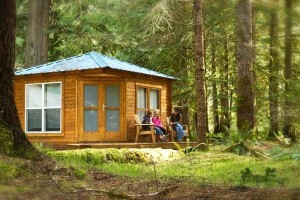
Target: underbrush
(11,168)
(212,168)
(99,156)
(291,153)
(223,169)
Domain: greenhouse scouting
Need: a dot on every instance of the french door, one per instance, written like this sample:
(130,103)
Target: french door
(100,111)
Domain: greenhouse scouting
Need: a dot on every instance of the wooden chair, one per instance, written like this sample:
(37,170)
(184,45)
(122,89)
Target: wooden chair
(140,131)
(173,133)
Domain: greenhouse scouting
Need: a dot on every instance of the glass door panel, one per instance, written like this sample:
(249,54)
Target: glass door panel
(90,108)
(90,95)
(90,120)
(112,108)
(112,120)
(112,97)
(101,111)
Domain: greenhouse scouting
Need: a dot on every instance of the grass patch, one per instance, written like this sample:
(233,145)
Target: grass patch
(212,168)
(8,171)
(291,153)
(94,157)
(9,189)
(126,169)
(11,168)
(225,170)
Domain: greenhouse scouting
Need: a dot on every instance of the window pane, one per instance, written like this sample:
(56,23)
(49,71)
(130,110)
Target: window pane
(91,120)
(34,120)
(52,119)
(154,99)
(112,120)
(141,98)
(112,95)
(34,96)
(141,114)
(90,95)
(52,95)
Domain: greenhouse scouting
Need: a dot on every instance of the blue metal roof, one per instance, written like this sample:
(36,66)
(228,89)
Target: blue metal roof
(91,60)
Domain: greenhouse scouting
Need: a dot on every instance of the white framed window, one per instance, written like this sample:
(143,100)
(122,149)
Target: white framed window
(43,107)
(147,99)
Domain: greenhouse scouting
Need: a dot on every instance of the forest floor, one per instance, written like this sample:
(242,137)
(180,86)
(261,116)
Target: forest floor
(109,186)
(37,180)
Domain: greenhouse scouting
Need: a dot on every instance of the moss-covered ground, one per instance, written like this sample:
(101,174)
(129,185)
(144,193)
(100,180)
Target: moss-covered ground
(154,174)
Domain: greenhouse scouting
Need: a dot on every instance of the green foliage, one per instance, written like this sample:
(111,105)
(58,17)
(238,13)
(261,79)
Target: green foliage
(283,140)
(12,167)
(8,171)
(267,178)
(80,173)
(217,139)
(22,10)
(239,142)
(212,168)
(244,174)
(179,147)
(291,153)
(159,35)
(198,147)
(238,137)
(98,156)
(6,140)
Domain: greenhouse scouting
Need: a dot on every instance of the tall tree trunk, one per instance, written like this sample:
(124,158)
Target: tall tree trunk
(273,70)
(200,72)
(288,72)
(185,113)
(37,33)
(254,54)
(225,118)
(185,101)
(214,90)
(245,94)
(8,112)
(205,85)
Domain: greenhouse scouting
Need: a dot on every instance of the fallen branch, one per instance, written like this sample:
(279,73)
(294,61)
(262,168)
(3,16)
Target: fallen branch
(90,190)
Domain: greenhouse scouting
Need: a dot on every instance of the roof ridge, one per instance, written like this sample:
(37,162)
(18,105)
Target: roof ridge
(95,57)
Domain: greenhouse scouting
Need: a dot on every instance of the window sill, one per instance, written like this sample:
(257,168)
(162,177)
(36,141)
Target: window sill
(41,134)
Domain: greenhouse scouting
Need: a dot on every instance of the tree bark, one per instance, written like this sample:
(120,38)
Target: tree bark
(273,70)
(253,12)
(9,115)
(225,118)
(245,93)
(214,90)
(200,72)
(288,71)
(37,33)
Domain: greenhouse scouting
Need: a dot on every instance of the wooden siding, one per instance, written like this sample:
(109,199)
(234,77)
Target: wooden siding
(70,81)
(151,82)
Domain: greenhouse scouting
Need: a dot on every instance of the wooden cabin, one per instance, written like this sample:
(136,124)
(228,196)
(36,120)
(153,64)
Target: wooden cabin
(88,98)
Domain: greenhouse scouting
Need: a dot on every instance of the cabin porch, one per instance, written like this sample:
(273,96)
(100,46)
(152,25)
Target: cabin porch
(103,145)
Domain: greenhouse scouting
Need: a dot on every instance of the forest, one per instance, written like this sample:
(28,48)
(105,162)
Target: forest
(160,35)
(238,88)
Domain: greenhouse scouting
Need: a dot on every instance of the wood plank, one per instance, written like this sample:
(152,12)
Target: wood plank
(165,145)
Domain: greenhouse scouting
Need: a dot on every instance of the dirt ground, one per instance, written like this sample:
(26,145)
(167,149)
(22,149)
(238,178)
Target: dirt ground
(61,185)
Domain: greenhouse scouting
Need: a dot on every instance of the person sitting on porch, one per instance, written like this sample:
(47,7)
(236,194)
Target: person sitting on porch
(175,122)
(147,120)
(161,132)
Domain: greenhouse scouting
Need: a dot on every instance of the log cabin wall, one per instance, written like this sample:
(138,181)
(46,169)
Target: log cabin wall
(70,80)
(150,82)
(68,109)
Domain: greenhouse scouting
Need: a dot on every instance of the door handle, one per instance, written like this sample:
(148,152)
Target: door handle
(103,107)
